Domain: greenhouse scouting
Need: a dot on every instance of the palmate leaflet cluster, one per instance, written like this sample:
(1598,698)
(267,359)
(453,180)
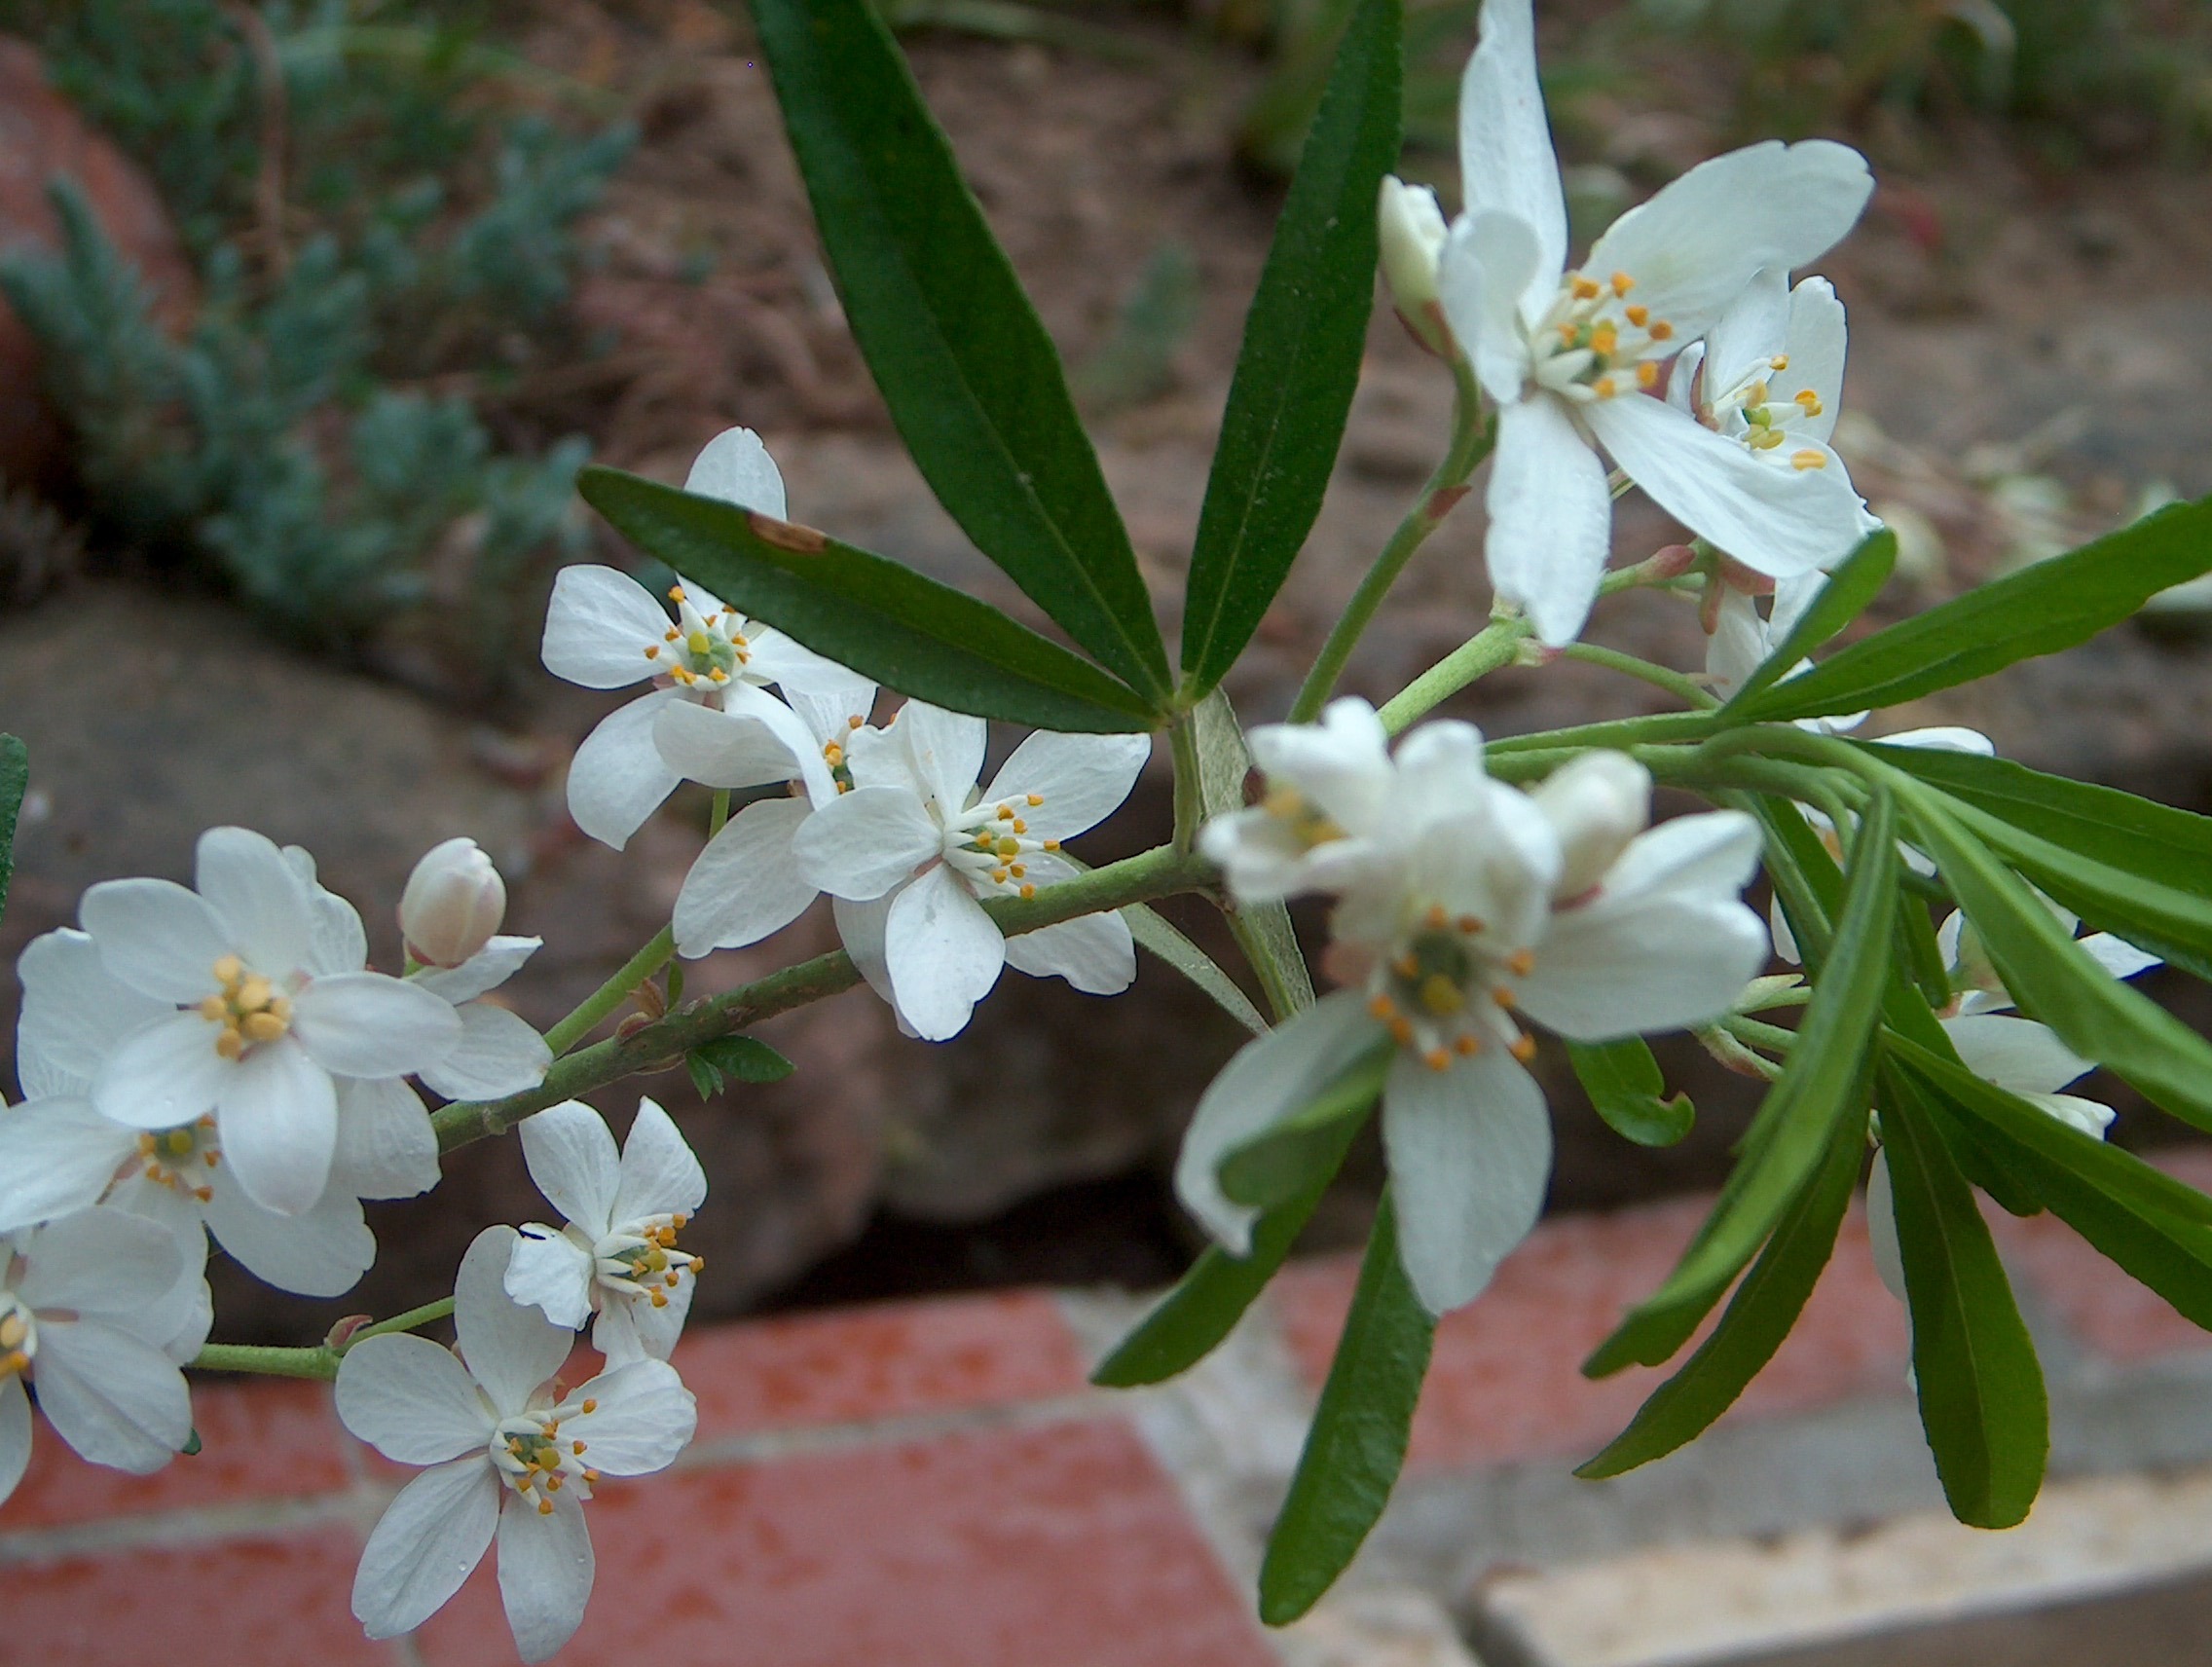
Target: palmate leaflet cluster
(220,1060)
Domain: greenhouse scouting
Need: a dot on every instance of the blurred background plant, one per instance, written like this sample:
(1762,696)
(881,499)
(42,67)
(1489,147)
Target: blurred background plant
(378,205)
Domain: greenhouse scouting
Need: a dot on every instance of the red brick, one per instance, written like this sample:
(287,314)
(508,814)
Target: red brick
(875,1363)
(1505,1382)
(1060,1547)
(238,1603)
(258,1441)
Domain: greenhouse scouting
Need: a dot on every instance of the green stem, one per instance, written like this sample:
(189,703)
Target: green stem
(1774,1038)
(413,1319)
(321,1361)
(717,813)
(613,993)
(1658,676)
(1158,872)
(1471,441)
(1189,784)
(1496,645)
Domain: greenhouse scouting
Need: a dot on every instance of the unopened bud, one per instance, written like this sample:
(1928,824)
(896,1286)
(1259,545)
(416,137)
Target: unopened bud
(1597,805)
(1411,228)
(454,903)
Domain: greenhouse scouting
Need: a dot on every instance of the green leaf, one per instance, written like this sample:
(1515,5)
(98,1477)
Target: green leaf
(967,371)
(1300,363)
(1759,1317)
(2053,977)
(1278,1165)
(1206,1302)
(741,1059)
(2040,610)
(1624,1084)
(1150,928)
(1263,930)
(1844,598)
(1357,1443)
(1823,1088)
(14,777)
(886,622)
(1981,1392)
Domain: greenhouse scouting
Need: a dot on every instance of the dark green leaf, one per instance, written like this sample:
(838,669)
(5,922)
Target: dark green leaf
(886,622)
(1981,1393)
(1357,1443)
(2040,610)
(1300,363)
(1624,1082)
(15,776)
(741,1059)
(192,1445)
(967,371)
(1281,1163)
(1823,1088)
(2054,979)
(1920,957)
(1850,588)
(1205,1305)
(1759,1317)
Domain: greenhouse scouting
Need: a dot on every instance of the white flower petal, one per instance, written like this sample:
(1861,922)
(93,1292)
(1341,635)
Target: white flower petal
(660,1174)
(1551,516)
(942,752)
(257,892)
(1094,953)
(2117,956)
(1712,854)
(428,1540)
(367,1024)
(1950,738)
(1750,332)
(1082,780)
(1882,1226)
(644,1420)
(859,928)
(942,952)
(862,843)
(739,749)
(633,1330)
(829,699)
(15,1434)
(2015,1054)
(1490,262)
(747,883)
(599,625)
(1470,1153)
(156,937)
(1266,1081)
(551,1272)
(545,1574)
(499,1054)
(572,1157)
(114,1397)
(1738,645)
(103,1263)
(279,1116)
(321,1252)
(1694,246)
(1655,963)
(736,467)
(618,777)
(386,1148)
(1341,764)
(1772,517)
(411,1400)
(1817,340)
(163,1074)
(73,1012)
(57,1156)
(340,942)
(508,1348)
(487,970)
(1506,159)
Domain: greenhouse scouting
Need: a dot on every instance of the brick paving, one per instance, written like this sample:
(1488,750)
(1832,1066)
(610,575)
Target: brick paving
(933,1484)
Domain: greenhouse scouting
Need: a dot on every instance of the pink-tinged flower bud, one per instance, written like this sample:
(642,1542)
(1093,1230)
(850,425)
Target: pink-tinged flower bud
(454,903)
(1410,228)
(1598,804)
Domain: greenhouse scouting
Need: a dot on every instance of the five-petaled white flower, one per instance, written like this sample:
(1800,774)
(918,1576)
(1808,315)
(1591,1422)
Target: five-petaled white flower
(1574,357)
(508,1453)
(615,1252)
(604,630)
(97,1309)
(912,848)
(265,1005)
(1475,899)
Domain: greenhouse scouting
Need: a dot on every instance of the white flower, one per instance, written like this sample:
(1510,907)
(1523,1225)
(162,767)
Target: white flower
(266,1007)
(1974,976)
(58,1154)
(1743,638)
(1572,357)
(915,848)
(89,1305)
(1481,909)
(1330,816)
(452,904)
(604,630)
(1410,234)
(508,1454)
(613,1253)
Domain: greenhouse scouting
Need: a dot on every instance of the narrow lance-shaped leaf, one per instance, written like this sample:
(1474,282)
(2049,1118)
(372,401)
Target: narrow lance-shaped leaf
(1300,363)
(1281,1163)
(14,777)
(886,622)
(966,368)
(2040,610)
(1357,1443)
(1855,583)
(1981,1392)
(1153,930)
(1625,1085)
(1824,1085)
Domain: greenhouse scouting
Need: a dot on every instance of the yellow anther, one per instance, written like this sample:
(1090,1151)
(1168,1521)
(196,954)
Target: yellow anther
(1780,361)
(1661,330)
(652,651)
(1524,1047)
(544,1507)
(1437,919)
(203,1194)
(1468,1046)
(854,722)
(1567,335)
(1052,844)
(1647,374)
(670,636)
(1029,891)
(1605,339)
(1604,387)
(1033,799)
(1585,289)
(835,753)
(659,1296)
(1470,923)
(669,1279)
(1407,964)
(592,1477)
(230,1044)
(145,1145)
(577,1447)
(214,1009)
(718,675)
(1502,996)
(13,1362)
(1437,1060)
(1382,1008)
(675,593)
(1020,826)
(712,617)
(591,1406)
(1808,459)
(1756,394)
(208,1159)
(1006,813)
(281,1007)
(1018,869)
(13,1331)
(1402,1032)
(229,970)
(1440,995)
(1622,283)
(999,877)
(1808,402)
(178,1141)
(1523,962)
(254,993)
(262,1027)
(1636,316)
(153,1172)
(1764,439)
(737,641)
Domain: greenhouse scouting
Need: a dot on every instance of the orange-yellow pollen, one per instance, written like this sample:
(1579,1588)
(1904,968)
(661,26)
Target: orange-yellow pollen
(1402,1032)
(1808,402)
(1381,1007)
(1523,962)
(1622,283)
(1524,1047)
(1585,289)
(1470,923)
(1502,996)
(1661,330)
(1438,919)
(1468,1046)
(1605,339)
(1647,374)
(675,593)
(1436,1059)
(1808,459)
(1604,387)
(1638,316)
(1780,361)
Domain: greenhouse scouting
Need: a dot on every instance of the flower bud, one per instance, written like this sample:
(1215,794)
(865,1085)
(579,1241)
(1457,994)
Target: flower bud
(1412,232)
(1598,804)
(454,903)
